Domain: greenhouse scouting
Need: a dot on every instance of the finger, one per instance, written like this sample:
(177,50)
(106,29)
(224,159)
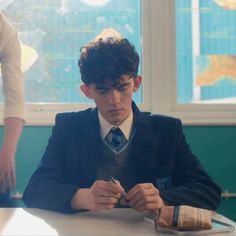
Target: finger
(2,174)
(9,180)
(105,193)
(123,202)
(109,187)
(4,186)
(142,194)
(107,200)
(144,201)
(117,183)
(149,207)
(149,203)
(13,179)
(104,206)
(115,187)
(146,196)
(138,188)
(104,203)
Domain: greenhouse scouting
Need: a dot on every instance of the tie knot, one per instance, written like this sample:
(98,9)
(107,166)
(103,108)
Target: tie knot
(116,131)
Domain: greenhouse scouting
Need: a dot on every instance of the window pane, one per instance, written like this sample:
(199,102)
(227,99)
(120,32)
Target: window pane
(206,51)
(52,32)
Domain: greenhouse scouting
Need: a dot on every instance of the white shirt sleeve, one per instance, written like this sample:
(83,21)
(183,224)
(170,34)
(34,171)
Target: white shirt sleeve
(12,76)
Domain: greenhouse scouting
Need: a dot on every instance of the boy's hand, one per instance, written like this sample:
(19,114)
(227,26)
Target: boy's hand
(101,195)
(145,197)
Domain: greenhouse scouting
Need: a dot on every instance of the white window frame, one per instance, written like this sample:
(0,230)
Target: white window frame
(164,84)
(44,113)
(159,76)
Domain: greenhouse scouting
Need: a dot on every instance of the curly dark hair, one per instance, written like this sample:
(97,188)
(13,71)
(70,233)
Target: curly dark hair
(104,62)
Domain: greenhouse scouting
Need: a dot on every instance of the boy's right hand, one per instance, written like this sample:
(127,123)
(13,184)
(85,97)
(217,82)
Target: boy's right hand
(101,195)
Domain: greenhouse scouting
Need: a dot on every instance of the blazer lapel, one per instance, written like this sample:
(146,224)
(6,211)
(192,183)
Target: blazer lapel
(88,147)
(146,147)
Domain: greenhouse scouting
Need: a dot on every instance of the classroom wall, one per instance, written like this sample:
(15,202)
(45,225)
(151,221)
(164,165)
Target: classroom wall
(216,148)
(214,145)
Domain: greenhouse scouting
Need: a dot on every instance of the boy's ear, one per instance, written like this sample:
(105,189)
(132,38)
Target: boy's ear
(137,82)
(86,90)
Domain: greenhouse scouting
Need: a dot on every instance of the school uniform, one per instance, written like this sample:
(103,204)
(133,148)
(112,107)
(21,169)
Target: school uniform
(157,153)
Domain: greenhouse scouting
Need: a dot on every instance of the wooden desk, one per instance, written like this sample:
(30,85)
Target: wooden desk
(127,222)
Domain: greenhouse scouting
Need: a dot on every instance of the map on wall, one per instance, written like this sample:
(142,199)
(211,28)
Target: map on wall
(227,4)
(219,67)
(206,51)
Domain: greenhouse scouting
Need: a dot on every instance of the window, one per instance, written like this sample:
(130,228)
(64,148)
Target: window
(51,34)
(196,60)
(181,43)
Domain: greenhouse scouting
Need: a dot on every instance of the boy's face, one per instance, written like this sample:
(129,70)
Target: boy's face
(114,102)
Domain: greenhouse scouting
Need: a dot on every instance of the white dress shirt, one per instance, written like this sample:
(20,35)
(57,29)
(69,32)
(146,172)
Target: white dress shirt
(12,76)
(126,126)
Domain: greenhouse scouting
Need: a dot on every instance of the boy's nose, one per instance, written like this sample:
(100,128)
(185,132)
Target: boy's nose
(114,97)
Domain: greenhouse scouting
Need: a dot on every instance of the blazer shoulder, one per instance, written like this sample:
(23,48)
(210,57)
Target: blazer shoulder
(71,117)
(161,119)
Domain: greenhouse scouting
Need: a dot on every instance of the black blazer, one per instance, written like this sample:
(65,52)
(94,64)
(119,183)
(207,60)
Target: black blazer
(161,156)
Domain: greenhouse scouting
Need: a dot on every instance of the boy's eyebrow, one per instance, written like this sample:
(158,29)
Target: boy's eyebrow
(102,88)
(121,85)
(112,87)
(115,85)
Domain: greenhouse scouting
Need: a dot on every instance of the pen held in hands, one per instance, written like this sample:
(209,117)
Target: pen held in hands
(123,194)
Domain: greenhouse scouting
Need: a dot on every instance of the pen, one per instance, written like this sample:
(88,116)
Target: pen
(123,194)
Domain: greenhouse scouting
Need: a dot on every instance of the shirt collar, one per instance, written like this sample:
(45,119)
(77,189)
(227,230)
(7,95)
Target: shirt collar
(126,126)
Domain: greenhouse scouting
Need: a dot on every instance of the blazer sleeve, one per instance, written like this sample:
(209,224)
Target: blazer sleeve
(191,183)
(46,188)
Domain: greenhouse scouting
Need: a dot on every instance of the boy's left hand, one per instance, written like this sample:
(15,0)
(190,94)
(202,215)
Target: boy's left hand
(144,197)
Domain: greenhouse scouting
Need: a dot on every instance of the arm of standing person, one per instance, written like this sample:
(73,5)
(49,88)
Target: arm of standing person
(13,90)
(12,132)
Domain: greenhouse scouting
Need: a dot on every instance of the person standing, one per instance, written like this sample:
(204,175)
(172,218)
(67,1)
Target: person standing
(14,112)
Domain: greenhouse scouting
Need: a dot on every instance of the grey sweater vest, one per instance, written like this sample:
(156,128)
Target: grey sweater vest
(120,164)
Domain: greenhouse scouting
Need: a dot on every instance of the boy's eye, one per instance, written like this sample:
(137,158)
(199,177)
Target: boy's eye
(118,88)
(122,88)
(102,91)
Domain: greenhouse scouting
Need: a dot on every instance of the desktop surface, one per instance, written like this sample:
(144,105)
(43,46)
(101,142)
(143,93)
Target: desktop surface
(120,221)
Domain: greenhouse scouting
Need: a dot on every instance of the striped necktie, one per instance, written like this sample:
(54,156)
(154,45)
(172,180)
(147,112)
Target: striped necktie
(117,138)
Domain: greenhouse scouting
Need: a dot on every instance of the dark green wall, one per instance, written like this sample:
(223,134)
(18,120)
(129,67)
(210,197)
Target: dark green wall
(214,145)
(216,148)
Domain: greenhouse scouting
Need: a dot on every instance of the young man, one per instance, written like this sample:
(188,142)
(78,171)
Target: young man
(14,114)
(148,156)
